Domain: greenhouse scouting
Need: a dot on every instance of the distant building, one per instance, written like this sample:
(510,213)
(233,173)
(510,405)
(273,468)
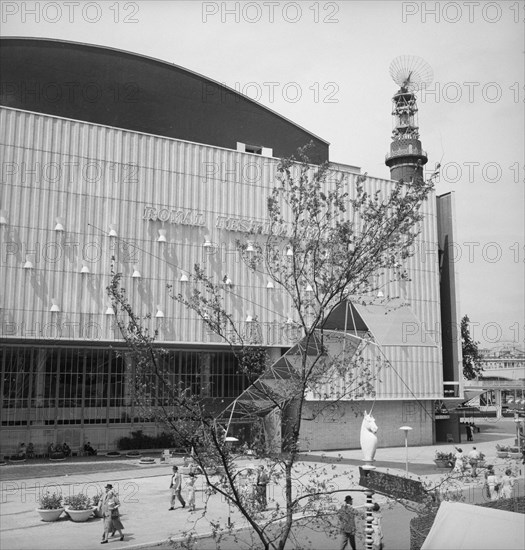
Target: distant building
(504,362)
(501,386)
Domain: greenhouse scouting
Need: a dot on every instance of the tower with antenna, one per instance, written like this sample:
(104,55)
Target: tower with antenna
(407,157)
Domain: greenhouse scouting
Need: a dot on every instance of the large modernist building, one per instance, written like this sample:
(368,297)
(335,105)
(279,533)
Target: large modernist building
(115,162)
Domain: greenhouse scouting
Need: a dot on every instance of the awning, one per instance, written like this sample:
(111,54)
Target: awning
(391,323)
(459,526)
(394,324)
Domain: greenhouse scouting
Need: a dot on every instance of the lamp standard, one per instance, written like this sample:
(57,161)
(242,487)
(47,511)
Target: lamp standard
(406,429)
(518,422)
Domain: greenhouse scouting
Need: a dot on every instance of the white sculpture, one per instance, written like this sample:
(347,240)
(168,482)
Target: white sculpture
(368,439)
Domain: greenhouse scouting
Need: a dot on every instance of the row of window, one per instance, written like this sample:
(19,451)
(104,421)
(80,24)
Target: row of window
(72,385)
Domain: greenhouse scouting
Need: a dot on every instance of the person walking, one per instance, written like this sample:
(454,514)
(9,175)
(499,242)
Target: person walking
(377,533)
(346,516)
(491,481)
(191,491)
(459,463)
(109,507)
(176,486)
(474,457)
(506,485)
(468,429)
(261,484)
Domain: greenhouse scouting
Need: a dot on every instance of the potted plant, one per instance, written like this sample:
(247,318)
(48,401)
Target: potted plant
(514,452)
(146,460)
(17,459)
(502,451)
(79,507)
(113,454)
(481,462)
(133,454)
(50,506)
(57,456)
(444,460)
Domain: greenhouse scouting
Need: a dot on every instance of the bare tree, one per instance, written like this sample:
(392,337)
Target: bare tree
(330,241)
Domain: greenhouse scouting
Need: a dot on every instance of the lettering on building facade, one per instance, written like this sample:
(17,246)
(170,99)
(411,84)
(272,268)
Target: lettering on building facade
(176,216)
(184,216)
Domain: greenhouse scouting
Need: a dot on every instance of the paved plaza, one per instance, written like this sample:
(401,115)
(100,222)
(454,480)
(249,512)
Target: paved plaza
(145,495)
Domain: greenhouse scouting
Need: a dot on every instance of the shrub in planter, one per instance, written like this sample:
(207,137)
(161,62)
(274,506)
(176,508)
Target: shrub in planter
(133,454)
(16,458)
(444,460)
(514,452)
(78,502)
(57,456)
(79,507)
(50,501)
(139,440)
(50,506)
(502,451)
(113,454)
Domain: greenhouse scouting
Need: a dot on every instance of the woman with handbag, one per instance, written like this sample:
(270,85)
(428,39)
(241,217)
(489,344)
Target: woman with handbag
(110,512)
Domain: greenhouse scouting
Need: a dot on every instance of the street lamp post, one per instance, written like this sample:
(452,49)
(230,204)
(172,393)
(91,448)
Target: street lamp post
(406,429)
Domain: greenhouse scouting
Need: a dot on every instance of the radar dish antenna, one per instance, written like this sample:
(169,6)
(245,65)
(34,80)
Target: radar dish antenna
(411,73)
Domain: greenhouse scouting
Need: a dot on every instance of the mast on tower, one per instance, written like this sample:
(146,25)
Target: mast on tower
(407,158)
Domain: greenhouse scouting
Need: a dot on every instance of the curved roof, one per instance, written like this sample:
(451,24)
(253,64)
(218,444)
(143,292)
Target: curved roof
(125,90)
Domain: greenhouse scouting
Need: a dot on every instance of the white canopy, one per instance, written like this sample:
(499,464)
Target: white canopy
(461,526)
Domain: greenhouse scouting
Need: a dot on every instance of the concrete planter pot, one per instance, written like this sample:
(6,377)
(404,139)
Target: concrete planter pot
(57,457)
(502,454)
(50,515)
(133,455)
(79,515)
(441,463)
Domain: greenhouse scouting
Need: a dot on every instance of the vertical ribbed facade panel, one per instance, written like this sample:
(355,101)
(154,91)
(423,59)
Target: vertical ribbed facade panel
(94,177)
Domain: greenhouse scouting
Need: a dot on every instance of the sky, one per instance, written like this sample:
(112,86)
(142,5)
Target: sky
(325,66)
